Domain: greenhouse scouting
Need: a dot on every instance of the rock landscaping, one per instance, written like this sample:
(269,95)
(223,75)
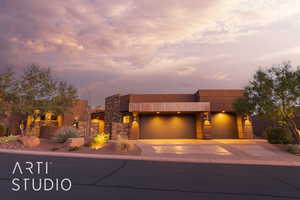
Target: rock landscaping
(74,145)
(75,142)
(29,141)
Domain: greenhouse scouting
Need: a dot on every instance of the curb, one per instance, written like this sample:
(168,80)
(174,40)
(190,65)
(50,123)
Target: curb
(147,158)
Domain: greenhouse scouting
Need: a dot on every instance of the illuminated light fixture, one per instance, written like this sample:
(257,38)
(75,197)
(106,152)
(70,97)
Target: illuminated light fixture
(126,119)
(206,122)
(223,111)
(178,112)
(157,112)
(247,120)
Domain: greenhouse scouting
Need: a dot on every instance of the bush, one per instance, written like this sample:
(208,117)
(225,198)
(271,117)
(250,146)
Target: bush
(54,149)
(277,135)
(99,140)
(74,148)
(3,130)
(8,139)
(64,133)
(294,148)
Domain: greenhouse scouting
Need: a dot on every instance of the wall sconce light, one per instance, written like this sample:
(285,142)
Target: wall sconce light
(134,119)
(206,116)
(157,112)
(126,119)
(206,122)
(247,120)
(178,112)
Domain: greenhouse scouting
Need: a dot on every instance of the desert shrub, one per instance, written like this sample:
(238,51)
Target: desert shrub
(88,144)
(294,148)
(54,149)
(277,135)
(3,130)
(8,139)
(99,140)
(123,144)
(64,133)
(74,148)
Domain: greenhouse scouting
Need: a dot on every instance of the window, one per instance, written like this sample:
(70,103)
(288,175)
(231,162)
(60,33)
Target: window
(126,119)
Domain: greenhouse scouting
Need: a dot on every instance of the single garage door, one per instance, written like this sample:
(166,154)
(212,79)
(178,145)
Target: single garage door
(167,126)
(224,126)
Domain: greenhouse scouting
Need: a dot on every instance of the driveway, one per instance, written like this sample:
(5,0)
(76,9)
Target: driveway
(225,150)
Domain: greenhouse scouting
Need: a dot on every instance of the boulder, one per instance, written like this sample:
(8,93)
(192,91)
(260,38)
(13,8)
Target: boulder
(29,141)
(75,142)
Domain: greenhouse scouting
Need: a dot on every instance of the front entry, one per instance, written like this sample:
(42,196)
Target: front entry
(167,127)
(224,126)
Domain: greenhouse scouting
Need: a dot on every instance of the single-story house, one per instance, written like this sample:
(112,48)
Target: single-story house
(205,114)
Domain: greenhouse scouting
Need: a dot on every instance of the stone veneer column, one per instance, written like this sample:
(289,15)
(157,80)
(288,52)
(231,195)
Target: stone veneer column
(199,126)
(112,111)
(134,131)
(240,130)
(245,129)
(207,127)
(207,130)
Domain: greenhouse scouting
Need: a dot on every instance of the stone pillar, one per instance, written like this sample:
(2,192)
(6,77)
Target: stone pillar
(112,111)
(119,129)
(207,129)
(245,129)
(101,126)
(134,131)
(199,126)
(239,121)
(248,129)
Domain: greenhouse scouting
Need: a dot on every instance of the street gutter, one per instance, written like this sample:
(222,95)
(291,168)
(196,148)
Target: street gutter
(148,158)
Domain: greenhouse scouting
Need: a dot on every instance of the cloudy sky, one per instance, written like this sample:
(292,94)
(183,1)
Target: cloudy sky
(149,46)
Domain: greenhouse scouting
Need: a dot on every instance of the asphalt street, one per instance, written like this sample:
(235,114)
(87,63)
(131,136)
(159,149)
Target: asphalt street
(129,179)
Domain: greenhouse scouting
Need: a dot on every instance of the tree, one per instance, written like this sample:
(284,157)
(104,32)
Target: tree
(8,93)
(273,93)
(39,90)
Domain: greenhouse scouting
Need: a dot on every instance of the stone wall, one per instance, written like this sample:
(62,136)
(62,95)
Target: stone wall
(119,129)
(112,111)
(245,129)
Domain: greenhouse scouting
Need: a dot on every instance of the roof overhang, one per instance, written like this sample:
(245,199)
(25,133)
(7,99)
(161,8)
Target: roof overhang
(170,107)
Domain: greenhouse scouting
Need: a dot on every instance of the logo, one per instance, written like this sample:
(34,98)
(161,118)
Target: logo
(35,176)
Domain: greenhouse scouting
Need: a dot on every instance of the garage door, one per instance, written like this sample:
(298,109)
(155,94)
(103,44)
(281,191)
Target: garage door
(167,126)
(224,126)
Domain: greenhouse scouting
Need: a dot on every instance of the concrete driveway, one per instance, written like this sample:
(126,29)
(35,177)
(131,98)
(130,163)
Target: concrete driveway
(226,150)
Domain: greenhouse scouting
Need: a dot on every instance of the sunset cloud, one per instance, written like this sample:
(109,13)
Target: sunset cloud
(126,44)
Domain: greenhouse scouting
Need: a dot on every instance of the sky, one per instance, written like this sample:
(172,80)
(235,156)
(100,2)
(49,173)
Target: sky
(149,46)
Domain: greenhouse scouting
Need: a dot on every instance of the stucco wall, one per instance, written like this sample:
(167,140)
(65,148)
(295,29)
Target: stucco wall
(219,99)
(80,110)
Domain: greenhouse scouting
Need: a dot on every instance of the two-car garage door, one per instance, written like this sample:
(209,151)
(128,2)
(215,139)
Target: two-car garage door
(183,126)
(167,127)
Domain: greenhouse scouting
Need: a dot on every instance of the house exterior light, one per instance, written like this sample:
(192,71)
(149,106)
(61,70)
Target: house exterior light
(126,119)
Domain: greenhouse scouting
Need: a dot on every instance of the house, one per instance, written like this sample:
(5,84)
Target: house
(205,114)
